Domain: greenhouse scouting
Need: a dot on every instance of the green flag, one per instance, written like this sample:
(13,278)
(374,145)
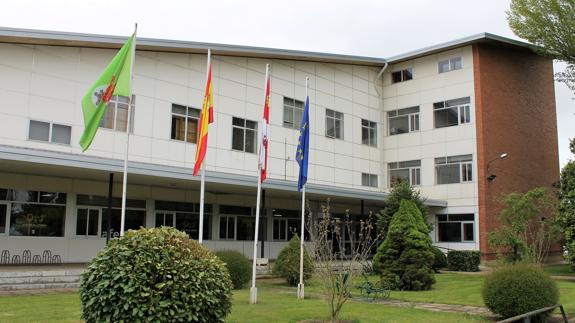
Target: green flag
(114,81)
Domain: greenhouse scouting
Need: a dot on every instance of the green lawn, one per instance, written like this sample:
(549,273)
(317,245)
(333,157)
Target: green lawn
(278,303)
(559,270)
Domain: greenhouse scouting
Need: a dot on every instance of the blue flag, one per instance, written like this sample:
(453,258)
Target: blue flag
(302,152)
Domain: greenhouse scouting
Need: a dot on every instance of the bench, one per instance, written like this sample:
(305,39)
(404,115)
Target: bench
(373,290)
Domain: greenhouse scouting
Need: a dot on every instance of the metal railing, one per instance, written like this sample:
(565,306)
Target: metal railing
(527,316)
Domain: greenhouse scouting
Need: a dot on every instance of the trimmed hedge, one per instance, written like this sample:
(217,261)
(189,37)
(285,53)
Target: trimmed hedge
(440,259)
(287,263)
(155,275)
(518,289)
(238,265)
(463,260)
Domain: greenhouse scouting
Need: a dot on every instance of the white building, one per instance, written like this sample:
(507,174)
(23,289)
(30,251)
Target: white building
(415,116)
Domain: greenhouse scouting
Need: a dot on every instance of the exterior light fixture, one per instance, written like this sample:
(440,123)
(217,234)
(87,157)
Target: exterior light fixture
(491,177)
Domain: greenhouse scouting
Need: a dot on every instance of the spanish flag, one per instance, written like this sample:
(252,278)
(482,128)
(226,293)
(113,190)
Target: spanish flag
(206,117)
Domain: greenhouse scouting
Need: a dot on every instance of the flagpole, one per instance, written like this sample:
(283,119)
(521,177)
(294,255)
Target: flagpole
(254,290)
(300,286)
(125,179)
(203,181)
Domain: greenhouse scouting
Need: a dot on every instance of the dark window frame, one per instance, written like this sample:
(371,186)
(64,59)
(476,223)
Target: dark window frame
(460,221)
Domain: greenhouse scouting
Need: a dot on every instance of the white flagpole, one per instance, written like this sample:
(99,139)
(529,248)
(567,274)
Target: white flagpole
(128,124)
(203,182)
(300,286)
(254,290)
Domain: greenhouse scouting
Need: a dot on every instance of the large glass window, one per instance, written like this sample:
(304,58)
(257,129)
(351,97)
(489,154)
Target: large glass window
(164,219)
(185,123)
(87,222)
(369,180)
(134,220)
(184,217)
(34,213)
(403,120)
(368,133)
(49,132)
(116,115)
(227,227)
(293,110)
(286,224)
(449,65)
(246,228)
(333,124)
(244,135)
(409,171)
(455,227)
(453,169)
(3,216)
(451,112)
(135,213)
(402,75)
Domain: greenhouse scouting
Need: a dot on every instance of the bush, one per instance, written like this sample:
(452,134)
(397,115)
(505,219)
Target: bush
(405,259)
(238,265)
(287,263)
(463,260)
(519,289)
(155,275)
(439,259)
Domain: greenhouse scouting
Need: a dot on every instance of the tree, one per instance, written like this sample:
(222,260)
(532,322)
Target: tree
(405,258)
(527,226)
(551,25)
(566,217)
(336,261)
(287,263)
(400,191)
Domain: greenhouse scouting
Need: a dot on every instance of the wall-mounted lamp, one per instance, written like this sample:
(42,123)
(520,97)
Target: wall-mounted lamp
(491,177)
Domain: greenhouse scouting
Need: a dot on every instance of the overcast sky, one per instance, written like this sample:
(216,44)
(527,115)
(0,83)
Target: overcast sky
(381,28)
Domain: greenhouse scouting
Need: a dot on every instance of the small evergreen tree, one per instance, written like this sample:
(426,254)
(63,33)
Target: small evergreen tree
(400,191)
(405,259)
(287,263)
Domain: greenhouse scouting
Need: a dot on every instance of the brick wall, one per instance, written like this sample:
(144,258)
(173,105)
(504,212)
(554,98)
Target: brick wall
(515,113)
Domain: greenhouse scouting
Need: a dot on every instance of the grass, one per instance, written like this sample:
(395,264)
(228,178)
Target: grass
(278,303)
(559,270)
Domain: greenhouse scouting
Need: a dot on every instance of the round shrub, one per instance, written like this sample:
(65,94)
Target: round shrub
(155,275)
(440,259)
(519,289)
(238,265)
(287,263)
(463,260)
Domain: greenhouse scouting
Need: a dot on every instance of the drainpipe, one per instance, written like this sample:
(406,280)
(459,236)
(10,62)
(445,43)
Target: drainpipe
(378,76)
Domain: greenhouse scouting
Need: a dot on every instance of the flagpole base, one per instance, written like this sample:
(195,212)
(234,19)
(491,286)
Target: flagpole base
(253,295)
(300,291)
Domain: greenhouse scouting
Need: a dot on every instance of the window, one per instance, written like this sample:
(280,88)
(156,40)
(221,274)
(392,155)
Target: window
(116,115)
(280,229)
(409,171)
(402,76)
(455,227)
(293,110)
(185,123)
(333,124)
(87,222)
(244,135)
(36,213)
(227,227)
(368,180)
(451,64)
(403,120)
(453,169)
(368,133)
(164,219)
(133,221)
(50,132)
(246,228)
(451,112)
(3,213)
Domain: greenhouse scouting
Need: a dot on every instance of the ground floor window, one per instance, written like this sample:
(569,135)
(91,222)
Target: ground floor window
(246,228)
(455,227)
(3,213)
(184,217)
(134,220)
(164,219)
(190,224)
(87,222)
(28,219)
(227,227)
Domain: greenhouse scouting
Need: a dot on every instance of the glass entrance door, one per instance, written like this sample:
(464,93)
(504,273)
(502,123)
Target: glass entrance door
(3,218)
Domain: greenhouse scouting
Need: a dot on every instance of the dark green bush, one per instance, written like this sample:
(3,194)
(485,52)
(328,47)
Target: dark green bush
(519,289)
(405,258)
(238,265)
(155,275)
(463,260)
(287,263)
(439,259)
